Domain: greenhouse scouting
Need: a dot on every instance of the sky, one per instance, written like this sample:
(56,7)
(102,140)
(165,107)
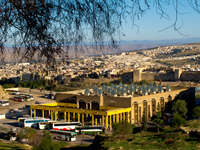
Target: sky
(150,25)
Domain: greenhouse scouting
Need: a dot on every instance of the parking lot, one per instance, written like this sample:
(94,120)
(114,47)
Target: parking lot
(10,124)
(19,106)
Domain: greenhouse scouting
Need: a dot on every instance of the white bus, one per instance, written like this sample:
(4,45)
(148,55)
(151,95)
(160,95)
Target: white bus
(66,125)
(90,129)
(46,125)
(63,135)
(30,122)
(4,102)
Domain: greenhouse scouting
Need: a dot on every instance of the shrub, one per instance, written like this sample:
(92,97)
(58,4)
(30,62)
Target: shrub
(158,120)
(122,129)
(180,107)
(178,120)
(26,133)
(196,112)
(47,143)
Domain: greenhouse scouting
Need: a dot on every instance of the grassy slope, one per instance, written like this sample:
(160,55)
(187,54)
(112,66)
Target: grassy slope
(12,146)
(169,140)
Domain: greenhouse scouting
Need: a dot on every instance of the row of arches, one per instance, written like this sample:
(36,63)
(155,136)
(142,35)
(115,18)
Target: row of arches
(148,108)
(91,105)
(82,103)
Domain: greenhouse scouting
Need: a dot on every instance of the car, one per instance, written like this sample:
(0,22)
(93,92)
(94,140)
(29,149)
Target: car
(30,98)
(12,114)
(37,102)
(49,96)
(19,99)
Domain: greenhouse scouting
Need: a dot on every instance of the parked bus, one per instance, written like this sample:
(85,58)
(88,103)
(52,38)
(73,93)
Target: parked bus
(90,129)
(4,103)
(30,122)
(45,125)
(63,135)
(65,125)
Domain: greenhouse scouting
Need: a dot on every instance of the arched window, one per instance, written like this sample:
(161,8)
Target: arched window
(162,103)
(144,115)
(169,98)
(82,104)
(95,105)
(153,102)
(136,112)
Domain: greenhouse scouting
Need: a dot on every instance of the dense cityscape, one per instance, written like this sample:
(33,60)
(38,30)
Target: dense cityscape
(84,99)
(99,75)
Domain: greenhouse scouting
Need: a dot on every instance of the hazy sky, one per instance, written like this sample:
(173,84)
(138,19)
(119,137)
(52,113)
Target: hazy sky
(150,25)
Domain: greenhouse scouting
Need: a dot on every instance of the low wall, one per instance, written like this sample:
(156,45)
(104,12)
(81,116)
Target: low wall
(148,76)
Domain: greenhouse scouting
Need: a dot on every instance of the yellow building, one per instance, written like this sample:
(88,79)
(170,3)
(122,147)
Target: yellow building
(103,110)
(105,116)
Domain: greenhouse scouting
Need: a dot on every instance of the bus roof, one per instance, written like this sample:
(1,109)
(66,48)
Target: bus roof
(3,100)
(29,118)
(63,132)
(49,122)
(62,122)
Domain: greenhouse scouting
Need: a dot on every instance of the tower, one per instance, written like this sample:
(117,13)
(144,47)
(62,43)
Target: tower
(137,75)
(177,74)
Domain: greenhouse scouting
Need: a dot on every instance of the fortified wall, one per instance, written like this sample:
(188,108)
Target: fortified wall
(173,75)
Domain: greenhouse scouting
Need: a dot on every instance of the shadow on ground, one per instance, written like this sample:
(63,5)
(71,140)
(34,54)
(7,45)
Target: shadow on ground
(78,148)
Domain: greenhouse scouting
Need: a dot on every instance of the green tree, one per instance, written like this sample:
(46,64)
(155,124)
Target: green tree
(180,107)
(196,112)
(122,130)
(144,122)
(47,143)
(8,85)
(178,120)
(26,133)
(158,120)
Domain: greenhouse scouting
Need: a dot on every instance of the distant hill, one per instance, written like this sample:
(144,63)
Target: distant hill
(143,44)
(162,42)
(123,46)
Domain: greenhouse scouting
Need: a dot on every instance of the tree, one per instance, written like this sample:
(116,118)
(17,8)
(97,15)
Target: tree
(122,130)
(144,122)
(180,107)
(196,112)
(43,27)
(158,120)
(47,143)
(177,120)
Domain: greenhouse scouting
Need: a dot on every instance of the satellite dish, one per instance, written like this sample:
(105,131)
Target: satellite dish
(87,92)
(168,88)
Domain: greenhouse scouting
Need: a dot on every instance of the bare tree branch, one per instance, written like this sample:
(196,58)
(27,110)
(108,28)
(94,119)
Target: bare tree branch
(44,27)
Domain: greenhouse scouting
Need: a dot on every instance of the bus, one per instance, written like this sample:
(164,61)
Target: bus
(90,129)
(63,135)
(4,103)
(31,122)
(65,125)
(45,125)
